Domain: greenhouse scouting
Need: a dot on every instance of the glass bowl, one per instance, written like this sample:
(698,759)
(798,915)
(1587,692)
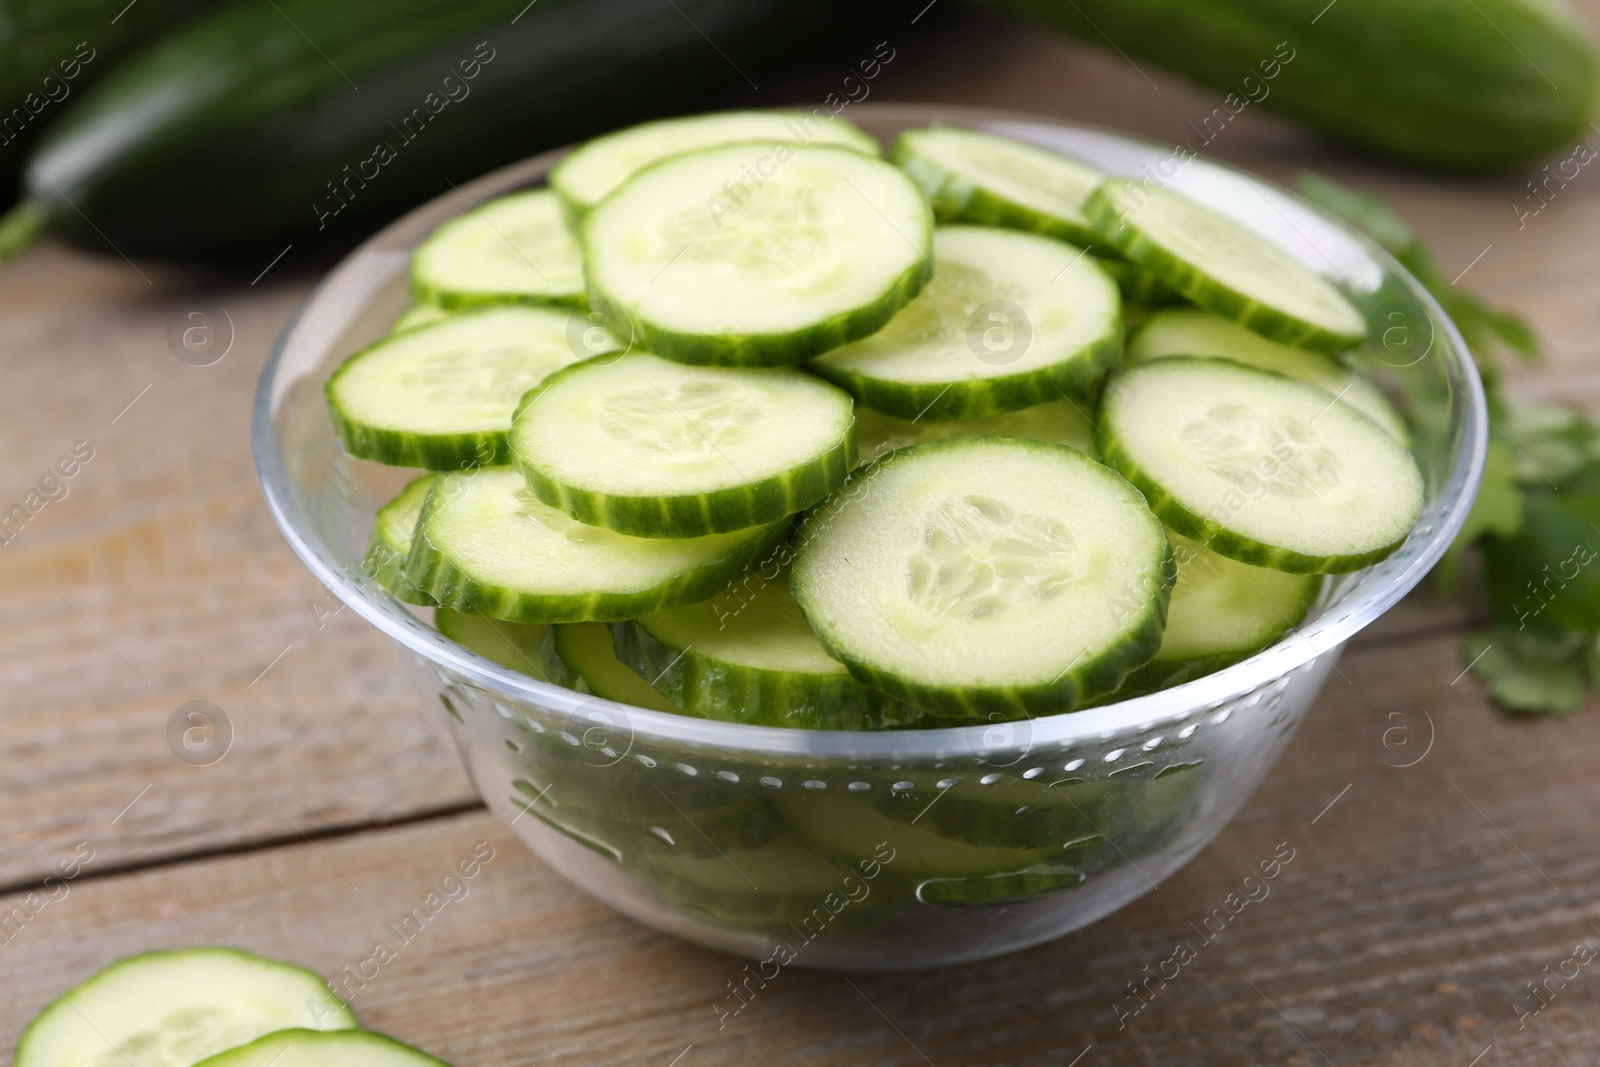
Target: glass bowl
(870,850)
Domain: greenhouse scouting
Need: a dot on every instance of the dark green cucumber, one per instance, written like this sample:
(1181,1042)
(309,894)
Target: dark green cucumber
(238,136)
(52,50)
(1443,83)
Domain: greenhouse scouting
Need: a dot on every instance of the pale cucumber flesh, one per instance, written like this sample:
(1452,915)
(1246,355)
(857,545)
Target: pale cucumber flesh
(981,574)
(514,249)
(1009,320)
(824,250)
(441,396)
(983,178)
(1221,265)
(1193,332)
(599,167)
(586,650)
(647,446)
(486,545)
(1260,467)
(172,1009)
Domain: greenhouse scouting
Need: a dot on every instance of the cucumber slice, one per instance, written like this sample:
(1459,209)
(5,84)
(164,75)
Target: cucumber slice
(418,315)
(980,575)
(516,249)
(594,170)
(850,828)
(390,543)
(1004,888)
(1259,467)
(777,883)
(441,397)
(1222,611)
(316,1048)
(1064,421)
(825,249)
(996,181)
(1224,267)
(753,660)
(1193,332)
(1138,286)
(1008,321)
(171,1009)
(585,649)
(653,448)
(524,647)
(485,545)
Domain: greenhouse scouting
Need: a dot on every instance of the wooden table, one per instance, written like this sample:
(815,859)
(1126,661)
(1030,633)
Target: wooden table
(1420,902)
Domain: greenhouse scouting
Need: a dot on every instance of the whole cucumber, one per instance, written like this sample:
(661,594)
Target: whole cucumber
(1457,84)
(52,49)
(281,122)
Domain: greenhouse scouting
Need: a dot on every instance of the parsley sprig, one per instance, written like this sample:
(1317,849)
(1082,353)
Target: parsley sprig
(1535,526)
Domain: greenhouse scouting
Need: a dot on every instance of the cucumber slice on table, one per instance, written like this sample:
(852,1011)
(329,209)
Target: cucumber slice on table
(1222,611)
(170,1009)
(487,546)
(597,168)
(979,576)
(1223,266)
(996,181)
(1065,421)
(1193,332)
(1259,467)
(390,543)
(317,1048)
(750,656)
(441,397)
(524,647)
(653,448)
(585,649)
(820,249)
(515,249)
(418,315)
(1009,320)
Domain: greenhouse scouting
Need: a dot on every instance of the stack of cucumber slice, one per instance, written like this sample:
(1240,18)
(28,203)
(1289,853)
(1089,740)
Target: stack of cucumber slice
(741,420)
(206,1007)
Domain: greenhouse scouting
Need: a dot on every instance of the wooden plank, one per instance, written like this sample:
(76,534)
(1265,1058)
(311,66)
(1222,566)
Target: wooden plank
(159,579)
(1417,903)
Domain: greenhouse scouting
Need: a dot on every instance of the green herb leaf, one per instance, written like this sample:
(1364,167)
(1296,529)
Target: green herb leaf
(1529,674)
(1537,513)
(1497,510)
(1546,578)
(1551,444)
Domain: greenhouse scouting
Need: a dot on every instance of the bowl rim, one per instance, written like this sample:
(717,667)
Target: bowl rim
(1323,636)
